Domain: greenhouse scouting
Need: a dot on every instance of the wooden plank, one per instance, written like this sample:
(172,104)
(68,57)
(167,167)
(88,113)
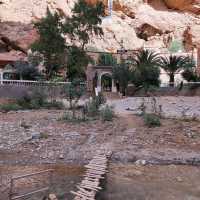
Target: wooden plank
(95,171)
(83,196)
(96,188)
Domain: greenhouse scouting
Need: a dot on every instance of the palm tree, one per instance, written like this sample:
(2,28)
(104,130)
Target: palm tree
(174,64)
(146,69)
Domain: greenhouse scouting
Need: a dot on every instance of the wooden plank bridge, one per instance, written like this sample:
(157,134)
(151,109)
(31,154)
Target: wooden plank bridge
(95,172)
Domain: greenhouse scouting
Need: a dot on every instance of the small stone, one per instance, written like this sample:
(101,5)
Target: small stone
(179,179)
(141,162)
(36,135)
(190,135)
(137,173)
(52,197)
(61,156)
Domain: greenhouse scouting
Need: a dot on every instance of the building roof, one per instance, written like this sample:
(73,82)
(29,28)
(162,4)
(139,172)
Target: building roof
(10,57)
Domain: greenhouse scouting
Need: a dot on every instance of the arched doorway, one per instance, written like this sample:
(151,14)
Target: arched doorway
(106,82)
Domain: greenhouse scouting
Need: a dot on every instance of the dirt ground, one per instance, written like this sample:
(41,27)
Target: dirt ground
(33,140)
(60,182)
(63,142)
(132,182)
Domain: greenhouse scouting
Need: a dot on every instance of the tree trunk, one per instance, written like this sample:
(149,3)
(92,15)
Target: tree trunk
(171,80)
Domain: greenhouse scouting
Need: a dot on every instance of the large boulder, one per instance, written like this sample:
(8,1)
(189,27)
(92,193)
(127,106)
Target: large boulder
(18,36)
(137,22)
(192,37)
(186,5)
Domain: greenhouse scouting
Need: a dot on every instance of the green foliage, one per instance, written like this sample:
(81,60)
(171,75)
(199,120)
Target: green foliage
(76,63)
(146,72)
(73,92)
(69,117)
(176,46)
(85,21)
(92,107)
(106,59)
(10,107)
(175,64)
(190,75)
(51,44)
(36,100)
(99,100)
(107,113)
(26,71)
(122,75)
(151,120)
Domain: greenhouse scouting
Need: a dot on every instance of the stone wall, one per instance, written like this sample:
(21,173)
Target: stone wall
(13,91)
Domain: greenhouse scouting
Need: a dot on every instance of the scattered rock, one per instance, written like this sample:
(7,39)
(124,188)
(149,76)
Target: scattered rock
(61,156)
(137,173)
(179,179)
(52,197)
(141,162)
(36,135)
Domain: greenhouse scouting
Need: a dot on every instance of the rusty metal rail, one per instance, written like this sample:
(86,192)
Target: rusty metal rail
(13,179)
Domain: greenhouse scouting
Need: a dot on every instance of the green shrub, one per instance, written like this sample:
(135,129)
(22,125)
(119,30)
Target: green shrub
(91,109)
(10,107)
(107,59)
(99,100)
(151,120)
(68,116)
(44,135)
(53,104)
(107,113)
(24,101)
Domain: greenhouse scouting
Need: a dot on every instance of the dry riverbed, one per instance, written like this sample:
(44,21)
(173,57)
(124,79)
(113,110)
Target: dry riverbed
(38,139)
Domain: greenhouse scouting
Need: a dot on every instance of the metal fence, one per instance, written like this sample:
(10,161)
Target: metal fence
(31,83)
(12,195)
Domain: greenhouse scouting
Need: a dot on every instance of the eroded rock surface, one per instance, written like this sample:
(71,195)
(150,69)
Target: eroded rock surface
(137,22)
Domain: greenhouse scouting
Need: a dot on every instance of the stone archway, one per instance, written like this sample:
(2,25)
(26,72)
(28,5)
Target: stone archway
(106,82)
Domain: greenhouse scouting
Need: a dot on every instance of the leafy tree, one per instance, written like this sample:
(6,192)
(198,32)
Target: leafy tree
(73,93)
(189,73)
(51,44)
(26,71)
(76,63)
(85,22)
(145,70)
(122,75)
(174,64)
(106,59)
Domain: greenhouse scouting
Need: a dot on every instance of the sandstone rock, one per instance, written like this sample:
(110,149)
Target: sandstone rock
(17,35)
(188,5)
(136,22)
(192,36)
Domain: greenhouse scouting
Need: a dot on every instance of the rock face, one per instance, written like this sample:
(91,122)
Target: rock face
(139,23)
(185,5)
(17,36)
